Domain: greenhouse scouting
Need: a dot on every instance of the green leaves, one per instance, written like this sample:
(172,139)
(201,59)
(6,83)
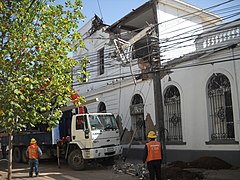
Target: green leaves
(35,72)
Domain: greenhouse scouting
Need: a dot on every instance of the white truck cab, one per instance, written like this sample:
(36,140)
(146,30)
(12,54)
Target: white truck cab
(93,136)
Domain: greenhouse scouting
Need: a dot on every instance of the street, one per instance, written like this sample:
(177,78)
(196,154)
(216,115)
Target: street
(49,170)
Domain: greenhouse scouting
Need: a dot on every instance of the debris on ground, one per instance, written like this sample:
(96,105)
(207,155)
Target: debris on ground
(132,169)
(177,170)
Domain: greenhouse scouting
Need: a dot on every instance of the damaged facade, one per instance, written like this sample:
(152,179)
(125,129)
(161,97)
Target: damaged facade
(200,95)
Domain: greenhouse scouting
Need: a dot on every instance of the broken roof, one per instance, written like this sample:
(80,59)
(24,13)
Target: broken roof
(145,13)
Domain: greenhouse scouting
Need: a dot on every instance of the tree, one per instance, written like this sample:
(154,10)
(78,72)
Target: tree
(36,71)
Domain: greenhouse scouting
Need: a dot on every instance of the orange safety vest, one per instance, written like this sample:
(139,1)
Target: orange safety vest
(154,151)
(33,151)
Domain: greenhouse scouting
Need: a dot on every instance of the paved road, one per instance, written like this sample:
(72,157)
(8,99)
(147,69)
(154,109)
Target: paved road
(50,171)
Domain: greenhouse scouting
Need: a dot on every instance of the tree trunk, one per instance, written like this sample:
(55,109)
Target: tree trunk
(10,141)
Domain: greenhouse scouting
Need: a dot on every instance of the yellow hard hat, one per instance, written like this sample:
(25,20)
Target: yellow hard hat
(33,141)
(151,135)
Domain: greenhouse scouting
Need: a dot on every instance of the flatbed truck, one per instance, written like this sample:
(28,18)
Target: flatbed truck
(79,138)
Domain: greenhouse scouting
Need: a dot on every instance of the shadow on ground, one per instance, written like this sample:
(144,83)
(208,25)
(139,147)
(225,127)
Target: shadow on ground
(187,170)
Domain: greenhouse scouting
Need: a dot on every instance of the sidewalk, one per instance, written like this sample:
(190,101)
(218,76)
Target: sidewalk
(48,170)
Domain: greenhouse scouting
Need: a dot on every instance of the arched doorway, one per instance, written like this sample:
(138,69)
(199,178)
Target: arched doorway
(137,117)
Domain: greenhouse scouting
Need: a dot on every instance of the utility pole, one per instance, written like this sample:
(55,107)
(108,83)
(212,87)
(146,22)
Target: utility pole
(159,113)
(158,99)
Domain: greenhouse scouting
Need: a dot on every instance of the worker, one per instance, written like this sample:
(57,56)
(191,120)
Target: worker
(153,156)
(33,153)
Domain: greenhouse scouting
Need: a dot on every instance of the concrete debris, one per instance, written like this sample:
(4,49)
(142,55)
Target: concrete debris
(138,170)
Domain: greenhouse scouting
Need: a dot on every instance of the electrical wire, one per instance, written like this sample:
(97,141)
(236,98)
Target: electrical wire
(112,50)
(186,15)
(100,9)
(213,61)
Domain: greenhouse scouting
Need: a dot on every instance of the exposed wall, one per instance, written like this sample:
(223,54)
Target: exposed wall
(118,97)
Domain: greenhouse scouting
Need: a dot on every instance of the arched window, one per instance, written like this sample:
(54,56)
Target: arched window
(102,107)
(137,117)
(137,99)
(220,103)
(173,120)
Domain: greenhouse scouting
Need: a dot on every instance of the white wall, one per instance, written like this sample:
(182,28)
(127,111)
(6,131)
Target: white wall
(192,84)
(118,98)
(177,31)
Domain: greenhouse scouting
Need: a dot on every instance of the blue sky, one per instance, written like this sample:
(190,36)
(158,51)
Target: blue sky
(112,10)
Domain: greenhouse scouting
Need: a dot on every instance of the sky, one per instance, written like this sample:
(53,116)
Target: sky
(111,11)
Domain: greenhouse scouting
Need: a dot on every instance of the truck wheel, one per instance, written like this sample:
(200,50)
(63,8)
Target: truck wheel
(75,160)
(24,156)
(17,154)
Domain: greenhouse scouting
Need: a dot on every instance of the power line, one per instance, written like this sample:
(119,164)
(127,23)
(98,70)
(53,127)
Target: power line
(186,15)
(95,54)
(100,9)
(213,61)
(167,47)
(147,55)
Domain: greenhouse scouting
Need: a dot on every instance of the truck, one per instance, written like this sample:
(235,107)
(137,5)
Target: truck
(79,139)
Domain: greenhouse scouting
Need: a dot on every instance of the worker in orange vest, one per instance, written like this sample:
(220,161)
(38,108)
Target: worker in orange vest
(153,156)
(33,153)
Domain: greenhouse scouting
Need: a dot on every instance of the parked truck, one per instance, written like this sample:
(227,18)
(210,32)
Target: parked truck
(78,138)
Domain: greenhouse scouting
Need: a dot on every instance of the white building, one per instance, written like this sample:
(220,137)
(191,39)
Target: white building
(205,87)
(200,118)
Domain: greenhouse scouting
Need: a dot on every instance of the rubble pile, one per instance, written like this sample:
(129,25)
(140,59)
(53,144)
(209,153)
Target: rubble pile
(138,170)
(168,172)
(177,170)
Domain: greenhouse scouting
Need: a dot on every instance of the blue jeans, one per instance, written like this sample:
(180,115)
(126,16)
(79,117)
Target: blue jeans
(33,163)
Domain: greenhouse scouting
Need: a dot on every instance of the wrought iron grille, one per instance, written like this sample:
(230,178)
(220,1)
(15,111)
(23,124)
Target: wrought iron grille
(173,120)
(137,117)
(220,102)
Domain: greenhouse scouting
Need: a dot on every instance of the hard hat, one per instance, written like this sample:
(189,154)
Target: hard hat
(151,135)
(33,141)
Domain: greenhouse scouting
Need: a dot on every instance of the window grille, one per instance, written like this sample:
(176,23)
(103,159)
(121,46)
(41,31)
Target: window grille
(220,113)
(137,118)
(173,120)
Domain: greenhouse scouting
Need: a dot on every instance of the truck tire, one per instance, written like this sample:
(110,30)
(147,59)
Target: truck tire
(75,160)
(17,154)
(24,156)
